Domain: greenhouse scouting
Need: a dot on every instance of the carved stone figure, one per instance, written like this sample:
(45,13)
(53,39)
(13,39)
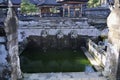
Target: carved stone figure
(112,57)
(11,69)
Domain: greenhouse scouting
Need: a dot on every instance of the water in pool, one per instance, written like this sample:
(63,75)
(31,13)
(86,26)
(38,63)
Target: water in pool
(53,60)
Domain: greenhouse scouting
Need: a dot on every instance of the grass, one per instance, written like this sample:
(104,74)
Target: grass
(35,61)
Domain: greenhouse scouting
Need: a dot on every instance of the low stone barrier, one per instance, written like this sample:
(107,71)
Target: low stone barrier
(97,12)
(97,52)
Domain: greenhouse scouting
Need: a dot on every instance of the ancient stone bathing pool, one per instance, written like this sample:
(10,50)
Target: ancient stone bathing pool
(53,60)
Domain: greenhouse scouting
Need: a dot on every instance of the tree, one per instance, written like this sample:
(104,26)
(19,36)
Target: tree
(27,7)
(93,3)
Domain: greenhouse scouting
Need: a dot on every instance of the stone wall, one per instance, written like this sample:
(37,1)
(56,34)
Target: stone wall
(26,32)
(72,30)
(97,16)
(54,25)
(98,12)
(57,41)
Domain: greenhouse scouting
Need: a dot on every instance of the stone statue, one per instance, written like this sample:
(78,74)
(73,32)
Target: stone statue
(10,27)
(112,57)
(114,17)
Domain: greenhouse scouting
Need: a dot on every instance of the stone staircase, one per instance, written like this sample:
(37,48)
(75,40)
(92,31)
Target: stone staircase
(64,76)
(94,62)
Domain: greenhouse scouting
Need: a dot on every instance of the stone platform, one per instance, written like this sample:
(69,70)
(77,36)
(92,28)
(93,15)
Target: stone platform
(64,76)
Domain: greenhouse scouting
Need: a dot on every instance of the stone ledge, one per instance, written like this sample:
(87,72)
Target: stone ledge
(64,76)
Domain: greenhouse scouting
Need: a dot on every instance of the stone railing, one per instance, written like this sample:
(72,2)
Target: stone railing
(97,52)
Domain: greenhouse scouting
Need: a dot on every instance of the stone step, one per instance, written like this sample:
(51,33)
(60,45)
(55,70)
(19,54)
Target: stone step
(92,60)
(64,76)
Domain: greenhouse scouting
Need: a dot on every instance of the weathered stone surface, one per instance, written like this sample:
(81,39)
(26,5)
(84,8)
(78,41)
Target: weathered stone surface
(99,12)
(112,60)
(10,68)
(53,26)
(64,76)
(58,41)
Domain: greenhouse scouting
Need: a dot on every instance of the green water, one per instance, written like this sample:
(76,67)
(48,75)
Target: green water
(65,60)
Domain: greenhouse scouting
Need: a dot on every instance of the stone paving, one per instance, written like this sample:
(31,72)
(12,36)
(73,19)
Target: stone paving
(64,76)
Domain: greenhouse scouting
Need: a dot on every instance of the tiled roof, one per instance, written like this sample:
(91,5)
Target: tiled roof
(3,2)
(15,2)
(36,2)
(44,2)
(73,0)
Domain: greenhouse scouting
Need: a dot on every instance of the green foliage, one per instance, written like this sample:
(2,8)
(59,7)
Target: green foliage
(93,3)
(27,7)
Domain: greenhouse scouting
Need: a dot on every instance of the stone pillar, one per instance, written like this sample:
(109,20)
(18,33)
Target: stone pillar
(40,12)
(105,3)
(81,10)
(68,11)
(63,12)
(112,67)
(74,12)
(9,60)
